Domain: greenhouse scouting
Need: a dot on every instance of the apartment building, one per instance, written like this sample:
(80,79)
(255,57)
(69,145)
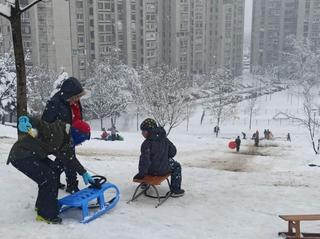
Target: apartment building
(275,20)
(195,36)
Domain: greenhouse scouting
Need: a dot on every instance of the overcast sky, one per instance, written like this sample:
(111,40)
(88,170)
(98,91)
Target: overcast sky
(248,17)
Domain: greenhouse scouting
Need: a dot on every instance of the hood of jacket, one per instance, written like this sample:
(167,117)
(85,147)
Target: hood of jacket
(70,87)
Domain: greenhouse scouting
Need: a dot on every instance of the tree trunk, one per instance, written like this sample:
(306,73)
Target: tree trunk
(113,121)
(202,116)
(250,122)
(137,120)
(101,123)
(15,21)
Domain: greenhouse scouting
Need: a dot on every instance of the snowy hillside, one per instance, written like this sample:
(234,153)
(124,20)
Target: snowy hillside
(228,195)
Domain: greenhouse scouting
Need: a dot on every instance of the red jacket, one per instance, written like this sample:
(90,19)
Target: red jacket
(76,112)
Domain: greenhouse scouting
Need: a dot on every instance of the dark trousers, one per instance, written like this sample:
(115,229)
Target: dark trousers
(176,176)
(42,171)
(238,148)
(71,174)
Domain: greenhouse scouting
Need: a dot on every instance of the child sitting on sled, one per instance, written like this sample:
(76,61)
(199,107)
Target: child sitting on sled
(30,156)
(157,153)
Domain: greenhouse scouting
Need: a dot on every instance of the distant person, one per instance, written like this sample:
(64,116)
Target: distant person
(238,143)
(216,130)
(104,135)
(156,158)
(256,139)
(265,132)
(288,137)
(113,130)
(244,136)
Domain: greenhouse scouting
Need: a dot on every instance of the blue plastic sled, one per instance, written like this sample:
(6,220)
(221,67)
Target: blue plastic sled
(82,199)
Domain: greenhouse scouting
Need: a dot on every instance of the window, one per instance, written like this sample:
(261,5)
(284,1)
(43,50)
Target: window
(100,5)
(79,16)
(80,28)
(92,46)
(101,28)
(80,39)
(100,17)
(79,4)
(92,34)
(108,28)
(91,23)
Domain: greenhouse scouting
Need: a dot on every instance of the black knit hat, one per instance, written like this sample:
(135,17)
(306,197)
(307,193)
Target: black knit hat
(148,124)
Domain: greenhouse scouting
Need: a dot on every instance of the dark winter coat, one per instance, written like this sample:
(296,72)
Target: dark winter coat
(238,142)
(52,139)
(155,153)
(58,108)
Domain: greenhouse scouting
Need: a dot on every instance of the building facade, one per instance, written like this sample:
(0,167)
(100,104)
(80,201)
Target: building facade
(196,36)
(275,20)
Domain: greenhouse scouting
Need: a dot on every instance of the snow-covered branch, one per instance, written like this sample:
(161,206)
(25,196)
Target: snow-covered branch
(30,6)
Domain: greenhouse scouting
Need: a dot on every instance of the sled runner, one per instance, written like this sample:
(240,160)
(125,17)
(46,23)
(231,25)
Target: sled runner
(94,192)
(151,182)
(294,231)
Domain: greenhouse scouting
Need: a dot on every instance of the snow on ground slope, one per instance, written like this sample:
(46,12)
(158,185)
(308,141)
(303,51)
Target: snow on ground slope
(228,195)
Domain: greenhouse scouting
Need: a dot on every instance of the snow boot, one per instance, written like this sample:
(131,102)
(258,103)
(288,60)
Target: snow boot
(177,193)
(56,220)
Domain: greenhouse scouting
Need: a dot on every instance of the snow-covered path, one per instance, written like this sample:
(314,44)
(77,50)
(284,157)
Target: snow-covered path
(228,195)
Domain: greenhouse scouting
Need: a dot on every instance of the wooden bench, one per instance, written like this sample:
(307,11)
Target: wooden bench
(151,181)
(294,230)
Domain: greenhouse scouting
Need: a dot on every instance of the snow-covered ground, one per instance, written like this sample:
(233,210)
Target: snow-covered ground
(228,195)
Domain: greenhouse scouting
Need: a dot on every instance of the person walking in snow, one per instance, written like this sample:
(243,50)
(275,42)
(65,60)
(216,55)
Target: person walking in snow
(30,156)
(244,136)
(238,143)
(156,158)
(216,130)
(288,137)
(256,139)
(65,106)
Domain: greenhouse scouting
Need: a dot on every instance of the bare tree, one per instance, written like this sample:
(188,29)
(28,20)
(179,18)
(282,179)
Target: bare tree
(165,95)
(302,66)
(12,11)
(7,84)
(252,107)
(222,99)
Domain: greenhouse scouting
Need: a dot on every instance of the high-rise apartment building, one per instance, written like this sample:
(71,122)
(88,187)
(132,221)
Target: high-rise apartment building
(275,20)
(195,36)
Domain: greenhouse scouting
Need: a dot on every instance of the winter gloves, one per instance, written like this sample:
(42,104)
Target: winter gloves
(87,178)
(24,124)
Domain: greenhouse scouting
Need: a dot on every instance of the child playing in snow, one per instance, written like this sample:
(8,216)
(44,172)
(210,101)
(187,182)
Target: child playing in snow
(104,135)
(30,156)
(157,153)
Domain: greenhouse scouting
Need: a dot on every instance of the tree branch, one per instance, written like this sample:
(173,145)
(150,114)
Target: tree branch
(30,6)
(4,15)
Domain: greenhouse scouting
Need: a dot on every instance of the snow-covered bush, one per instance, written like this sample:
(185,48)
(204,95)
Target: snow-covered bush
(107,84)
(40,81)
(7,84)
